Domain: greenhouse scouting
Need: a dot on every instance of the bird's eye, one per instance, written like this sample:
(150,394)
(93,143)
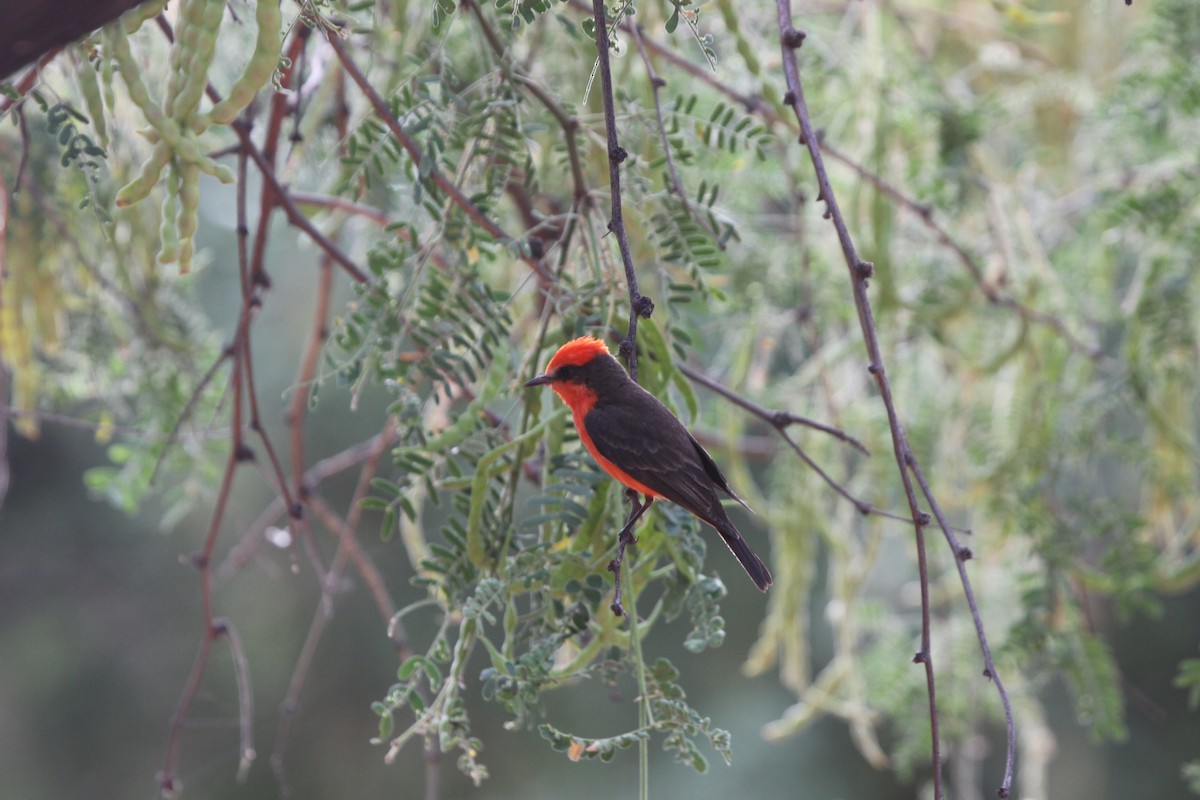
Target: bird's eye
(565,372)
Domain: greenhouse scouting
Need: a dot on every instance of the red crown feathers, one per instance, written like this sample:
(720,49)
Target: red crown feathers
(577,352)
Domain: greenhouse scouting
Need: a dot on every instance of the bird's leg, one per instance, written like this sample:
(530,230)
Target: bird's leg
(624,539)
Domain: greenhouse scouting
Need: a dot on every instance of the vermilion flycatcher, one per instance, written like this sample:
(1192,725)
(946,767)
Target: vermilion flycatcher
(638,441)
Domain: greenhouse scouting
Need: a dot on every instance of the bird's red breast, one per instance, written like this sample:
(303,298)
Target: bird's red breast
(580,399)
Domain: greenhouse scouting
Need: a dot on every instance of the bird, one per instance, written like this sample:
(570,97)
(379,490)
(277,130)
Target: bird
(639,442)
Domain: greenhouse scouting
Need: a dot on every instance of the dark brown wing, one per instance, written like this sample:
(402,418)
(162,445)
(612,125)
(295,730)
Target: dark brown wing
(646,440)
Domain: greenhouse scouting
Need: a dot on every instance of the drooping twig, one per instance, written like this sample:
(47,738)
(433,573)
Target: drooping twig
(347,543)
(168,781)
(273,194)
(860,272)
(781,421)
(335,203)
(241,673)
(656,83)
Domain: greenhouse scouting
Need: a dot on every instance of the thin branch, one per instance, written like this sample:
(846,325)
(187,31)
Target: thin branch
(656,83)
(410,145)
(295,215)
(346,544)
(780,420)
(241,672)
(242,390)
(961,555)
(296,414)
(252,300)
(335,203)
(273,194)
(639,304)
(168,782)
(860,272)
(245,551)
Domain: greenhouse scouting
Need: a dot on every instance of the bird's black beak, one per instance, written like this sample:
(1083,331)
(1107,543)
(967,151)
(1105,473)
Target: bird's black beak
(540,380)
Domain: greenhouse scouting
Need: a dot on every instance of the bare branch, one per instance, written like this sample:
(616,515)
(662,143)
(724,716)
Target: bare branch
(639,304)
(860,273)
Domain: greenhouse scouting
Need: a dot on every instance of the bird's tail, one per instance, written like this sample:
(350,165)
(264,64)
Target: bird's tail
(753,565)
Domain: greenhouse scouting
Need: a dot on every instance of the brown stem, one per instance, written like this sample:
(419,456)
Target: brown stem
(346,545)
(639,304)
(656,83)
(860,273)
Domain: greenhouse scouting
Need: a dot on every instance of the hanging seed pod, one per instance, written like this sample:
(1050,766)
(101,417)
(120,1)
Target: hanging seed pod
(196,57)
(140,187)
(89,87)
(258,70)
(133,19)
(188,216)
(168,229)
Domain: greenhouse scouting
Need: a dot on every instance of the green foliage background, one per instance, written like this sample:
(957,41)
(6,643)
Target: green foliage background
(1035,295)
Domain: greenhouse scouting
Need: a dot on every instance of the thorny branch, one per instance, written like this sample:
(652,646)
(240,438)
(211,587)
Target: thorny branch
(639,304)
(860,273)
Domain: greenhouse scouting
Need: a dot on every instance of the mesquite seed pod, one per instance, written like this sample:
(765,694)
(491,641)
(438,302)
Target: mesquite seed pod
(106,77)
(140,187)
(259,69)
(196,59)
(132,19)
(189,208)
(89,87)
(168,231)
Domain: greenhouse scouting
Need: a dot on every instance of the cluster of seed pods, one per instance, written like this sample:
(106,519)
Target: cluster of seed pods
(176,123)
